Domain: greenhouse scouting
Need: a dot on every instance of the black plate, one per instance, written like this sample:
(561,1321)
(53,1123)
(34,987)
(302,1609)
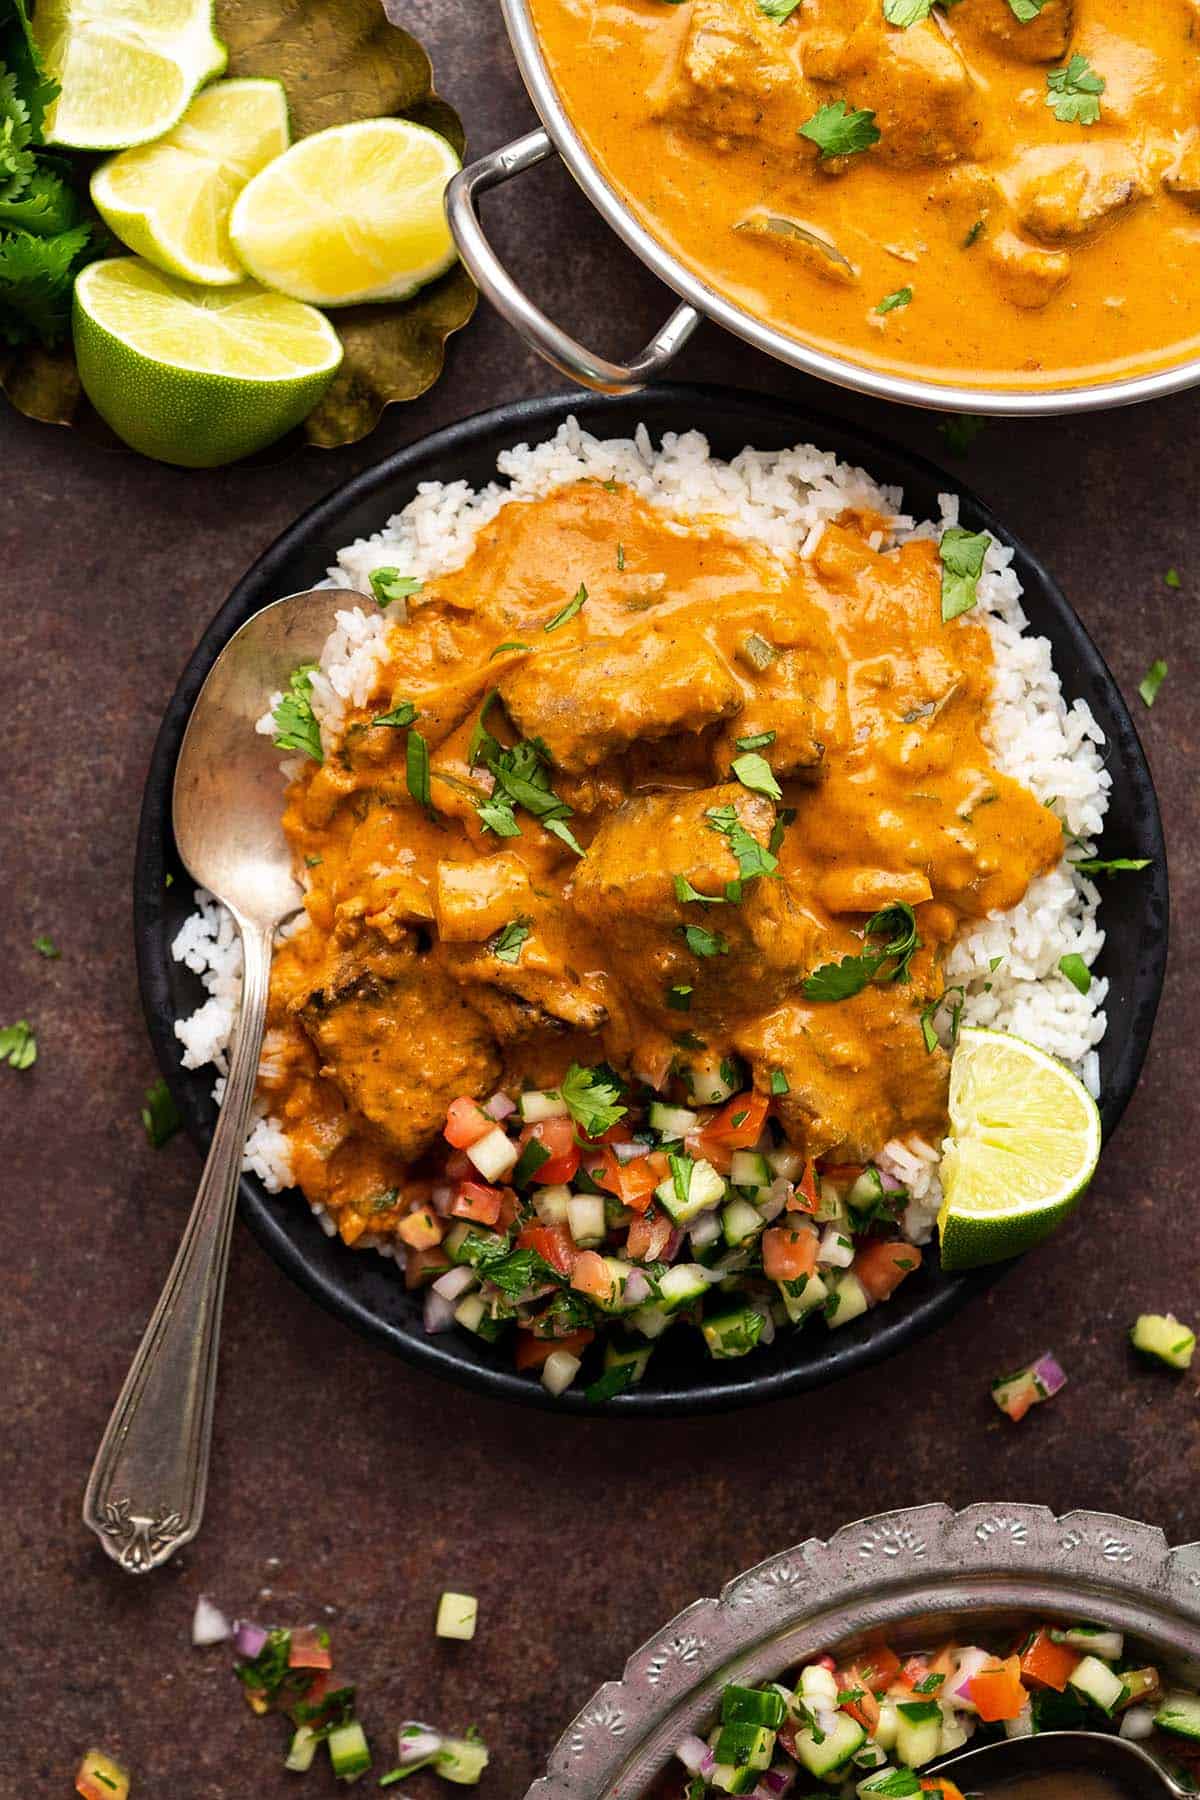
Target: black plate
(364,1289)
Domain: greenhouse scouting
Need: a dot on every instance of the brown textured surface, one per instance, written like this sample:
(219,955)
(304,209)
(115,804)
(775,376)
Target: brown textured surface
(341,1480)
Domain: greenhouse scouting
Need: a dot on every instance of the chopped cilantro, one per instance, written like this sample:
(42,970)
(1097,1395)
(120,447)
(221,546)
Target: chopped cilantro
(1074,92)
(507,944)
(522,778)
(400,716)
(519,1270)
(838,131)
(574,605)
(974,234)
(389,584)
(752,859)
(702,942)
(1076,971)
(759,740)
(779,1082)
(613,1381)
(160,1115)
(294,718)
(1114,865)
(620,558)
(960,430)
(592,1097)
(897,925)
(679,998)
(754,772)
(685,892)
(962,553)
(1026,10)
(1152,680)
(18,1045)
(416,769)
(512,644)
(46,947)
(889,303)
(906,12)
(1172,579)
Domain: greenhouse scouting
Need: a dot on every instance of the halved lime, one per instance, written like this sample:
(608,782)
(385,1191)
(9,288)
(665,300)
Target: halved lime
(127,68)
(170,201)
(1024,1140)
(350,214)
(195,375)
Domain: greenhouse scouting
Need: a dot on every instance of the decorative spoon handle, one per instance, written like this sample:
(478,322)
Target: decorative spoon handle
(145,1495)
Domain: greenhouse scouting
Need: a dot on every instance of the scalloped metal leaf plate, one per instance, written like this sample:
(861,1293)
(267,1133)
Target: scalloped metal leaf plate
(339,60)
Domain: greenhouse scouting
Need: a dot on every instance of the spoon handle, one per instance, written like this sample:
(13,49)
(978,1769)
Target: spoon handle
(145,1494)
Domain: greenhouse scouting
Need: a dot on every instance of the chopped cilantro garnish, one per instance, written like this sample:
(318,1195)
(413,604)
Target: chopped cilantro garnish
(613,1381)
(521,1269)
(679,998)
(974,234)
(1026,10)
(18,1045)
(702,942)
(779,10)
(897,925)
(620,558)
(684,892)
(759,740)
(522,778)
(1152,680)
(1113,865)
(512,644)
(574,605)
(1171,579)
(294,718)
(1074,92)
(592,1097)
(838,131)
(400,716)
(900,297)
(416,769)
(906,12)
(779,1082)
(389,584)
(962,553)
(1076,971)
(754,772)
(160,1115)
(46,947)
(752,859)
(929,1684)
(507,944)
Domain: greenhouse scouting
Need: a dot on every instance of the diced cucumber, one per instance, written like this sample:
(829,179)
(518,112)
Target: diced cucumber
(650,1319)
(818,1687)
(494,1154)
(627,1356)
(1093,1640)
(730,1779)
(810,1295)
(559,1371)
(471,1312)
(831,1208)
(836,1249)
(539,1104)
(786,1162)
(748,1169)
(456,1616)
(836,1748)
(886,1726)
(743,1744)
(705,1231)
(463,1242)
(348,1751)
(303,1748)
(586,1217)
(918,1731)
(550,1204)
(671,1121)
(753,1706)
(462,1760)
(1097,1683)
(1180,1713)
(1139,1683)
(704,1189)
(733,1333)
(682,1285)
(847,1300)
(869,1757)
(713,1079)
(740,1222)
(619,1273)
(866,1194)
(1162,1336)
(897,1784)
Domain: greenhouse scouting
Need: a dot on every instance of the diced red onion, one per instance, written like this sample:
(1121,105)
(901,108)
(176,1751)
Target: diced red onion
(209,1624)
(969,1664)
(454,1282)
(767,1335)
(439,1312)
(637,1288)
(888,1180)
(671,1247)
(1049,1372)
(774,1783)
(249,1640)
(693,1753)
(442,1196)
(774,1200)
(627,1152)
(499,1107)
(417,1745)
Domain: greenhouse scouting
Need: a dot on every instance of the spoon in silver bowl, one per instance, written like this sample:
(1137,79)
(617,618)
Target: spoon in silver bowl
(1131,1772)
(145,1494)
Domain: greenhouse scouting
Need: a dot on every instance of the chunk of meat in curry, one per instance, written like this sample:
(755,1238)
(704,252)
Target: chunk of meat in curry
(970,189)
(403,992)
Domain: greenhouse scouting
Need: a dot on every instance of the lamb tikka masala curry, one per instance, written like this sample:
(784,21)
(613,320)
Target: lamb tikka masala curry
(1005,192)
(634,883)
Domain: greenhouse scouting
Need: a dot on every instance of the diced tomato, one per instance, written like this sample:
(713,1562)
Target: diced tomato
(878,1667)
(592,1276)
(882,1265)
(476,1202)
(616,1134)
(317,1688)
(421,1266)
(997,1692)
(1048,1665)
(714,1150)
(308,1648)
(804,1195)
(466,1122)
(648,1237)
(421,1230)
(937,1784)
(788,1254)
(633,1182)
(531,1352)
(553,1243)
(865,1710)
(740,1121)
(510,1209)
(557,1137)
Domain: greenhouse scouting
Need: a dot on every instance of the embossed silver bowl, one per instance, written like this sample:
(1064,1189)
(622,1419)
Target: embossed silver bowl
(910,1575)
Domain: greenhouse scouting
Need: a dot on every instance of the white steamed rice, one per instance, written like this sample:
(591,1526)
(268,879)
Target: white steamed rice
(782,500)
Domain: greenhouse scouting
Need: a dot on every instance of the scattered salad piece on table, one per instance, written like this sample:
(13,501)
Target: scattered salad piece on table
(48,948)
(1163,1338)
(1014,1394)
(1171,579)
(457,1615)
(1152,680)
(100,1778)
(460,1760)
(18,1045)
(160,1115)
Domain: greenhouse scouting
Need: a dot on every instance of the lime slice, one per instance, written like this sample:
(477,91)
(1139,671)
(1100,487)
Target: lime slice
(1025,1136)
(170,201)
(194,375)
(127,68)
(353,213)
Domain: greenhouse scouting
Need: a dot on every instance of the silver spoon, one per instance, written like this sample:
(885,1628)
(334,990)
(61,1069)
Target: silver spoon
(145,1494)
(1134,1773)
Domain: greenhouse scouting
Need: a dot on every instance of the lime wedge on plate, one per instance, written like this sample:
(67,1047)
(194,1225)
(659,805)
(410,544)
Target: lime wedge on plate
(350,214)
(170,201)
(127,68)
(1024,1140)
(195,375)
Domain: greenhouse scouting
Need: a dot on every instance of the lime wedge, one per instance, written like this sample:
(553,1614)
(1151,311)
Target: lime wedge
(170,201)
(195,375)
(1025,1137)
(127,68)
(350,214)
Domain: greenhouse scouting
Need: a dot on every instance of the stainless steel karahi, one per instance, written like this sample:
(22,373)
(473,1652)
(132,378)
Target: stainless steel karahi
(910,1575)
(580,364)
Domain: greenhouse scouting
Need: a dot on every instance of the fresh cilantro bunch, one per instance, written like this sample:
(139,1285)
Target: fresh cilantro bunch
(43,244)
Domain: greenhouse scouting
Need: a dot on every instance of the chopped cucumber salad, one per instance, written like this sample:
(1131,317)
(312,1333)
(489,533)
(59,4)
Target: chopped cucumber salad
(873,1723)
(563,1216)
